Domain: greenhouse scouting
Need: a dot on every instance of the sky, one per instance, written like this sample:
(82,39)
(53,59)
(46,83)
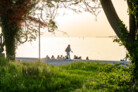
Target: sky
(86,24)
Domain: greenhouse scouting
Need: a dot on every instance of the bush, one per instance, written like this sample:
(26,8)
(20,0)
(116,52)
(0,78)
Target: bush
(3,61)
(115,77)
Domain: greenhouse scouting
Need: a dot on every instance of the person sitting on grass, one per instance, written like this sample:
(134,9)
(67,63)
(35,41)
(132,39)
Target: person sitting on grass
(47,57)
(52,57)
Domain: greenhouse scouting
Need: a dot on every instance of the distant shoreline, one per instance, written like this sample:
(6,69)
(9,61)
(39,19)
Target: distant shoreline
(57,62)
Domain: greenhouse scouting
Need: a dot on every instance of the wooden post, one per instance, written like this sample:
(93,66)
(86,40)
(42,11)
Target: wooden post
(39,44)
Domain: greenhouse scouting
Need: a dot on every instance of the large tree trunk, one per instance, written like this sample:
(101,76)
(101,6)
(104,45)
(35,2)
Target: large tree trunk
(132,40)
(9,31)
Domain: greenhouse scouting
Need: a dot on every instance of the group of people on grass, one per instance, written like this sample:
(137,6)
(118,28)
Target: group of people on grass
(67,50)
(58,57)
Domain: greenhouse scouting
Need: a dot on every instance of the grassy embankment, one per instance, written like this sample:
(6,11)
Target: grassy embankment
(76,77)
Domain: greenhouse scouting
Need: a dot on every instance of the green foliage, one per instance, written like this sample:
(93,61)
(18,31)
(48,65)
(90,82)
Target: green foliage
(113,78)
(133,9)
(102,77)
(3,61)
(52,26)
(123,34)
(75,77)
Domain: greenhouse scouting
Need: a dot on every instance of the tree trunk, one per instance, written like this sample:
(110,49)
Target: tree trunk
(135,71)
(131,40)
(10,45)
(111,15)
(132,24)
(9,31)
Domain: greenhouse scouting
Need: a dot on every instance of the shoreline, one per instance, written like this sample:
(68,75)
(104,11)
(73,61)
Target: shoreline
(57,62)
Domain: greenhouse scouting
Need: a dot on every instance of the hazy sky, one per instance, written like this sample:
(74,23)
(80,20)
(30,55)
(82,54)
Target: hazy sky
(85,24)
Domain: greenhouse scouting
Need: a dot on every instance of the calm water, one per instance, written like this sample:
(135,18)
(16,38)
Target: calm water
(94,48)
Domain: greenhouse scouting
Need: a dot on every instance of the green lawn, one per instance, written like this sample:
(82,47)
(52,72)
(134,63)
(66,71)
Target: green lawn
(16,76)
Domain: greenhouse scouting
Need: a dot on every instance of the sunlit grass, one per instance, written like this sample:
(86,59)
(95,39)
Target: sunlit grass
(74,77)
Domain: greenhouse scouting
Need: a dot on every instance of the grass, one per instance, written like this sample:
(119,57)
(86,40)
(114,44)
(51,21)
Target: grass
(16,76)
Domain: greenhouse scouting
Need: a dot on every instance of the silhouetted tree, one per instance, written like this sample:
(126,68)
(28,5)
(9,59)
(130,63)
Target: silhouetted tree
(12,13)
(128,38)
(15,17)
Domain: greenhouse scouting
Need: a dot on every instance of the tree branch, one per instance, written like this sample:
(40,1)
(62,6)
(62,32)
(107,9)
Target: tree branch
(132,23)
(111,15)
(36,21)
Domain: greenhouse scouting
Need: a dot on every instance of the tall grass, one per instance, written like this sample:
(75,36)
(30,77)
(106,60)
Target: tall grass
(35,77)
(16,76)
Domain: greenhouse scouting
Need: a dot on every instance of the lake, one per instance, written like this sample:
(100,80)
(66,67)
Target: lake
(95,48)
